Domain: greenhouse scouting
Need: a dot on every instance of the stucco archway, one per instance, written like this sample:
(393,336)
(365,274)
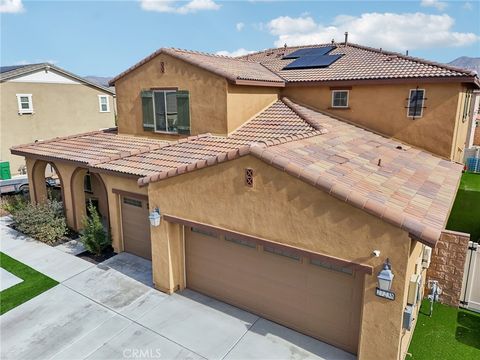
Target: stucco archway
(86,186)
(39,192)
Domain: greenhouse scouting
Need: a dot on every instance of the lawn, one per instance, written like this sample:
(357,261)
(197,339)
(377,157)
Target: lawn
(450,333)
(33,284)
(465,215)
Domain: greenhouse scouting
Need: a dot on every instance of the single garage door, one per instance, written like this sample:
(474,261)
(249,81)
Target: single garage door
(136,227)
(307,295)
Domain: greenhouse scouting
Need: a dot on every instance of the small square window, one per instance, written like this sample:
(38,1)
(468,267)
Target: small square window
(340,98)
(25,104)
(103,103)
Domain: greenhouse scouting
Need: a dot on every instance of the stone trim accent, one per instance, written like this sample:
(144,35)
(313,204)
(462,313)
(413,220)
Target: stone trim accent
(447,265)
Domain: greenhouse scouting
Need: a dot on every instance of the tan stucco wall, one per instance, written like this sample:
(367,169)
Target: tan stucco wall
(382,108)
(286,210)
(208,95)
(244,102)
(59,110)
(461,129)
(414,266)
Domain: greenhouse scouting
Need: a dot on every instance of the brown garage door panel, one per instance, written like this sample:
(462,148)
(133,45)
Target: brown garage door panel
(136,227)
(319,302)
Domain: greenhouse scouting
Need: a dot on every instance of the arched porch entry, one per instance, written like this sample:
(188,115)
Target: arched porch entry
(46,183)
(85,187)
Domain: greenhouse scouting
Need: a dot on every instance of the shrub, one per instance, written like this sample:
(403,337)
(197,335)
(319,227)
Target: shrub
(12,204)
(94,237)
(44,222)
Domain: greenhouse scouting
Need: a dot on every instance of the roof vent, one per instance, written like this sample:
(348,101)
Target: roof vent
(346,38)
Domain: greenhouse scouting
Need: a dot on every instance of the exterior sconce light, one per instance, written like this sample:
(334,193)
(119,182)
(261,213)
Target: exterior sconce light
(385,279)
(155,217)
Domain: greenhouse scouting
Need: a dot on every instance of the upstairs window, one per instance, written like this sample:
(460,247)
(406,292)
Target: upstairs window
(25,104)
(166,111)
(340,98)
(103,103)
(416,103)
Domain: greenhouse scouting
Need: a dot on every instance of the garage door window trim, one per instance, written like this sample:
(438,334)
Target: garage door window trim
(204,232)
(364,268)
(132,202)
(242,242)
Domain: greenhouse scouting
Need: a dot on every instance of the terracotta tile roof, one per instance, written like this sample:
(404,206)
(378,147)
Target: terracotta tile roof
(89,148)
(357,63)
(276,125)
(233,69)
(405,186)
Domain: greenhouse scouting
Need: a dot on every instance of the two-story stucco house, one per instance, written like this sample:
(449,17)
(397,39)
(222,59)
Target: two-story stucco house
(286,181)
(41,101)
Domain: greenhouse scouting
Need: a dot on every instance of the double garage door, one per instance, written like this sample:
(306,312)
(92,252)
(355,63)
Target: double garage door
(307,295)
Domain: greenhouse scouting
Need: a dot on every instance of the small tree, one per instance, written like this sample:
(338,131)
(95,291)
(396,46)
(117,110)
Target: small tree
(94,237)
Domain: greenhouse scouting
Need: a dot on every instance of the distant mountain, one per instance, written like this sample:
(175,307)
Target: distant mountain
(470,63)
(100,80)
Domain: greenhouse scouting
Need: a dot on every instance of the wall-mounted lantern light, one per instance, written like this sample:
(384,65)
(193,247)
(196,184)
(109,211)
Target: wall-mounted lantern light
(155,217)
(385,277)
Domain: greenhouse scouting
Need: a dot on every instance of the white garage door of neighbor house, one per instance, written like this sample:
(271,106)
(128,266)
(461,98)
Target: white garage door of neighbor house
(136,227)
(307,295)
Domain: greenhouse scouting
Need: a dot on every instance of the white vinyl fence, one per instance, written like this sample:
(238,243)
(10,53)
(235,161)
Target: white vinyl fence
(470,295)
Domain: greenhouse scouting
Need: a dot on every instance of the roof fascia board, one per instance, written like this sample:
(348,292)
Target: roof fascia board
(449,79)
(259,83)
(34,69)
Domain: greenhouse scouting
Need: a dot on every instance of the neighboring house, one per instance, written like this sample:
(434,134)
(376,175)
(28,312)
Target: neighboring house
(41,101)
(274,195)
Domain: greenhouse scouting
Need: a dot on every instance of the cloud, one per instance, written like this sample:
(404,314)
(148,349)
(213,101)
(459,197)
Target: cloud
(386,30)
(467,6)
(36,61)
(240,26)
(11,6)
(170,6)
(235,53)
(439,5)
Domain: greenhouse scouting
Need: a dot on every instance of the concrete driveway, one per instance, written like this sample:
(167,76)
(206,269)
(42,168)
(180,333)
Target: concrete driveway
(109,312)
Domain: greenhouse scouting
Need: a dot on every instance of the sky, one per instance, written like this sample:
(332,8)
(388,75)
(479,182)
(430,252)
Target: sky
(104,37)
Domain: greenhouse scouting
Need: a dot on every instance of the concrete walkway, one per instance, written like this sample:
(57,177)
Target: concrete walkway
(109,312)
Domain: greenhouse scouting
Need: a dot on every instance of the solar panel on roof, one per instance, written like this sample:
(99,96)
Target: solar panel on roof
(309,52)
(4,69)
(312,61)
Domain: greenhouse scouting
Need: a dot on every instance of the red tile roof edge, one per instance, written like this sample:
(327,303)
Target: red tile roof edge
(16,147)
(426,234)
(176,53)
(199,164)
(303,116)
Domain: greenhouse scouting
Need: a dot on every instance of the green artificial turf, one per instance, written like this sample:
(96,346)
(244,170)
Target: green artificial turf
(465,215)
(450,334)
(33,284)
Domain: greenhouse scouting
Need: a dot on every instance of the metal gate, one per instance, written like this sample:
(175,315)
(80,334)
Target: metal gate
(470,295)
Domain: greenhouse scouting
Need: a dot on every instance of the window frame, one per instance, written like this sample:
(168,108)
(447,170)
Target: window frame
(340,106)
(100,97)
(421,107)
(30,104)
(165,91)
